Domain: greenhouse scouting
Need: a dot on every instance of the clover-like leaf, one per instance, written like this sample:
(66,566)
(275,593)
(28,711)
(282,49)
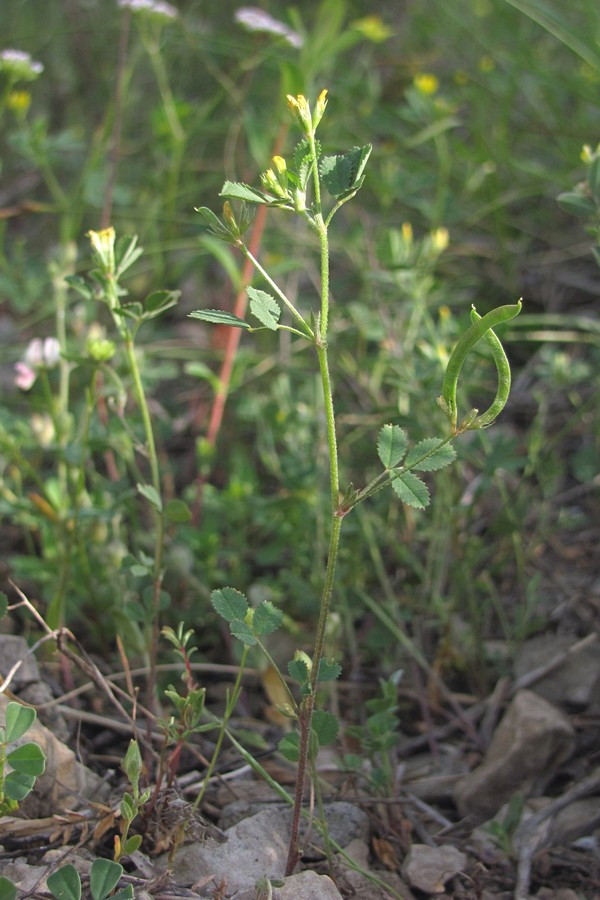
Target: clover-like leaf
(28,759)
(104,877)
(326,726)
(264,307)
(411,490)
(243,632)
(65,883)
(19,719)
(424,457)
(391,445)
(229,603)
(267,618)
(344,173)
(328,671)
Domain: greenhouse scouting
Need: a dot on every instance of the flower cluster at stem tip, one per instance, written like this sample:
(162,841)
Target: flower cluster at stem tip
(19,66)
(300,108)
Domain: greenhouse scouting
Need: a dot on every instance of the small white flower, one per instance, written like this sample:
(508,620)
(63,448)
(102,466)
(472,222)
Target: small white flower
(152,7)
(255,19)
(19,65)
(40,353)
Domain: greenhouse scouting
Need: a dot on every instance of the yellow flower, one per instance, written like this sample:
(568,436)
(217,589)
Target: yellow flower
(407,232)
(426,83)
(439,239)
(103,245)
(373,28)
(486,64)
(19,101)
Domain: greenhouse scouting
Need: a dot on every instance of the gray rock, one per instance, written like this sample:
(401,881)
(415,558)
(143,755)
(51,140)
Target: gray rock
(256,847)
(575,682)
(14,649)
(429,868)
(303,886)
(532,739)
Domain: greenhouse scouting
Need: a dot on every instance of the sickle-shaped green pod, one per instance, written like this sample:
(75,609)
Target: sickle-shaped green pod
(481,327)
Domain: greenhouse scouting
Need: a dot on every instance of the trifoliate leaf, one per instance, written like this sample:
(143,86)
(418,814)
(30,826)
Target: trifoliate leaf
(229,603)
(328,671)
(391,445)
(326,725)
(439,459)
(242,632)
(264,307)
(219,317)
(267,618)
(411,490)
(239,191)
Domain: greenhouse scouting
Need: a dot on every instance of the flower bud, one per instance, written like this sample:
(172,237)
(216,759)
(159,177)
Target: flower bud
(103,247)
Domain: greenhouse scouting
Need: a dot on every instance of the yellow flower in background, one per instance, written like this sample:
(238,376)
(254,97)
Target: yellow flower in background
(426,83)
(439,239)
(373,28)
(19,101)
(486,64)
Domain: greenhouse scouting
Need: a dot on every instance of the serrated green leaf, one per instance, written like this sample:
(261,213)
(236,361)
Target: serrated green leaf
(267,618)
(576,204)
(104,877)
(264,307)
(298,670)
(151,494)
(328,671)
(238,191)
(432,462)
(411,490)
(242,632)
(28,759)
(218,317)
(17,785)
(326,726)
(344,173)
(212,222)
(229,603)
(391,445)
(19,719)
(289,746)
(177,511)
(8,890)
(65,884)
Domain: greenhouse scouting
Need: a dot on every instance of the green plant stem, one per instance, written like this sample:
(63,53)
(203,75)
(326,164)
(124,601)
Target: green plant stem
(305,718)
(159,519)
(222,729)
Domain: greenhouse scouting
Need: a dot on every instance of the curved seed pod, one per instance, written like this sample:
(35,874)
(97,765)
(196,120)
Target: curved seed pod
(480,328)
